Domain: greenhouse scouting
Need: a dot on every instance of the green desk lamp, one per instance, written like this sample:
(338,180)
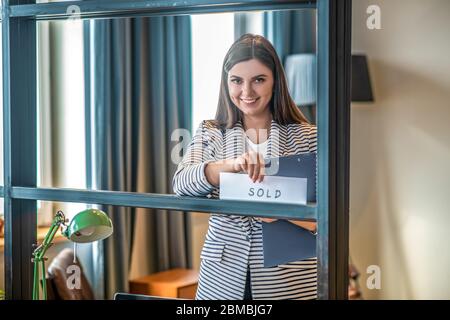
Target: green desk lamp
(87,226)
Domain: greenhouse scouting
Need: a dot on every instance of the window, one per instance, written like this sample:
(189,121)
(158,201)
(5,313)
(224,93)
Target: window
(333,108)
(207,58)
(60,116)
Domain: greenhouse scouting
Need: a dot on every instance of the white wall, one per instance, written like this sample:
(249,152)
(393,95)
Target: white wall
(400,151)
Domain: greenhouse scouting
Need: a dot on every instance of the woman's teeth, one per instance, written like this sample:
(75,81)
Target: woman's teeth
(248,101)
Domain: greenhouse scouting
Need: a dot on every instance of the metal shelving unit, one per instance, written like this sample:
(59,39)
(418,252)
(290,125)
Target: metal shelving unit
(20,193)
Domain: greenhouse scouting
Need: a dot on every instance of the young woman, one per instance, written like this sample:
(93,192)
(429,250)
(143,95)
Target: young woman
(256,118)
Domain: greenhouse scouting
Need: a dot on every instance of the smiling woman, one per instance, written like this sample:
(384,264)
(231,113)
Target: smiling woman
(253,97)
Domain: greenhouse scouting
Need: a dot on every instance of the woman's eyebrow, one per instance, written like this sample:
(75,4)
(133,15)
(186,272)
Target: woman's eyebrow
(258,76)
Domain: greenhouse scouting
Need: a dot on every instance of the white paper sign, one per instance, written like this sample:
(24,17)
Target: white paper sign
(237,186)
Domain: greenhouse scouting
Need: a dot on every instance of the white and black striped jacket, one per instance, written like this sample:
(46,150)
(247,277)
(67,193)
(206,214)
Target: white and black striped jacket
(235,242)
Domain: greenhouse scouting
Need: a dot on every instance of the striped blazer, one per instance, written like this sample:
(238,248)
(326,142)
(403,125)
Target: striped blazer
(234,243)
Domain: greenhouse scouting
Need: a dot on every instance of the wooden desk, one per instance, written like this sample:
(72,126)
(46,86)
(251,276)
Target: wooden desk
(174,283)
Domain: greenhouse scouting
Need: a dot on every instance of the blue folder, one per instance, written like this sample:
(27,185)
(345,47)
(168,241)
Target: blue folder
(283,241)
(297,166)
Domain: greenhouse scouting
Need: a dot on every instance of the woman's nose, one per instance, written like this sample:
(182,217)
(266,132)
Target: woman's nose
(247,89)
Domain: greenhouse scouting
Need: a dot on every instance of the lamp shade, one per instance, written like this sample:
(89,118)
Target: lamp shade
(88,226)
(301,77)
(361,87)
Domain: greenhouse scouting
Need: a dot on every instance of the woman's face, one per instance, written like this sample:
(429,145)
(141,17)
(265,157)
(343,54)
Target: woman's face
(250,85)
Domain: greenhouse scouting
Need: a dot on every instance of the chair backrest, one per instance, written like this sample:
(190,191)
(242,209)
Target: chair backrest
(66,279)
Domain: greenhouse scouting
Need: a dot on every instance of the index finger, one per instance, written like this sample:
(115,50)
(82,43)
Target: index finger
(262,170)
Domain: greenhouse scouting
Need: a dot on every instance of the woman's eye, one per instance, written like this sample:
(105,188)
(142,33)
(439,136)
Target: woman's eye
(236,81)
(258,80)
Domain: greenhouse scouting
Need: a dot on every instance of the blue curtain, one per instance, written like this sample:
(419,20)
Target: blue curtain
(241,24)
(292,32)
(140,80)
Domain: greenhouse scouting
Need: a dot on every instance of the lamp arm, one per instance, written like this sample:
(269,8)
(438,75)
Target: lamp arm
(38,254)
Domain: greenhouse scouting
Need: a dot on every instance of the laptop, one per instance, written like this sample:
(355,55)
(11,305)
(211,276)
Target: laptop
(297,166)
(132,296)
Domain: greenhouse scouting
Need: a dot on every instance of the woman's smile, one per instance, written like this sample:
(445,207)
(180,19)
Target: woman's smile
(249,102)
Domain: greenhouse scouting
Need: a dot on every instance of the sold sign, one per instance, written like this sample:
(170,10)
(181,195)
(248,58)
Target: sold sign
(238,186)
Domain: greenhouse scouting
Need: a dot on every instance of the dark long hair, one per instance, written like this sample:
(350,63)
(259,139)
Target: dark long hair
(283,108)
